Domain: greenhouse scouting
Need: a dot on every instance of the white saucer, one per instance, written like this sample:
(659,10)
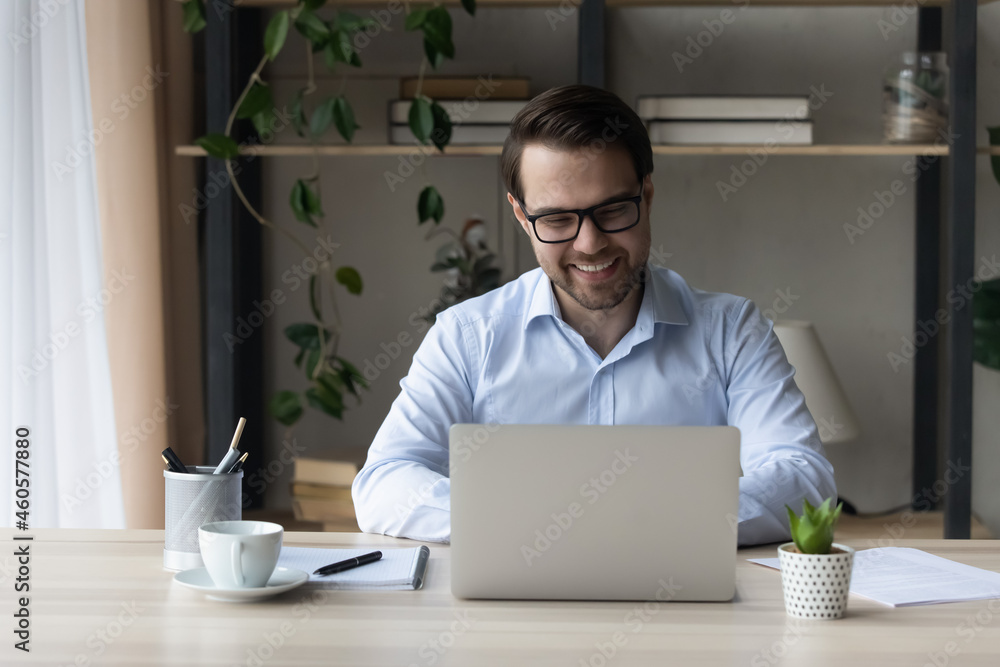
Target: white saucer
(283,579)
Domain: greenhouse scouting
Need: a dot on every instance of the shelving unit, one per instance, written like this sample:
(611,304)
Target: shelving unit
(232,253)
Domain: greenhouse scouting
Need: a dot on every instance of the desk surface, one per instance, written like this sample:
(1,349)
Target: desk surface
(102,598)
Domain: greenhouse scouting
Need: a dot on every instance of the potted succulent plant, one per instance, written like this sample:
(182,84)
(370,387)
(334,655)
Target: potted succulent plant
(815,571)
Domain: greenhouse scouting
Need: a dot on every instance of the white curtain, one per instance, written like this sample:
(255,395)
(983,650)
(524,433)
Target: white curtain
(54,372)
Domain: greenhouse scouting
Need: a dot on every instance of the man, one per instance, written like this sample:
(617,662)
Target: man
(596,335)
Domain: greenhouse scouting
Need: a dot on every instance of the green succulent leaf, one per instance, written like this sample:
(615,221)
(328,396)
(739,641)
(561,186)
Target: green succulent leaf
(326,401)
(343,118)
(312,28)
(274,36)
(257,99)
(286,407)
(219,146)
(421,119)
(430,205)
(415,19)
(441,134)
(813,530)
(194,16)
(305,203)
(349,277)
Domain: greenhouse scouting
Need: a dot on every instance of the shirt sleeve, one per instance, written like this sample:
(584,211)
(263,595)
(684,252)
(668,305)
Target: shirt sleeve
(404,490)
(781,454)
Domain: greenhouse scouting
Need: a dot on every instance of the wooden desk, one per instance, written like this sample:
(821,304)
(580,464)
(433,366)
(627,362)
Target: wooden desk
(90,583)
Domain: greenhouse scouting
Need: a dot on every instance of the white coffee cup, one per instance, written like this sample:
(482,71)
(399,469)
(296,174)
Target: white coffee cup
(240,554)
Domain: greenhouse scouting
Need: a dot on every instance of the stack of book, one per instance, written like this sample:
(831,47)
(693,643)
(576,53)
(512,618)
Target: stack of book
(321,491)
(480,108)
(714,119)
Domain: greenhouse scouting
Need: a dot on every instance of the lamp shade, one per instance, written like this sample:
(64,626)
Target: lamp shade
(814,376)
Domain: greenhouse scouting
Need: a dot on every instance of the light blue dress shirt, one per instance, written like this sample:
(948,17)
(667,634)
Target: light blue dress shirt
(692,358)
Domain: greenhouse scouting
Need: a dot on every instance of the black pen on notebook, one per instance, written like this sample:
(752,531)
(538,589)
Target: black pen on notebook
(348,564)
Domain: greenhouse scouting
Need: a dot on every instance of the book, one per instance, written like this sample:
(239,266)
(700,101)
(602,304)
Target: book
(463,111)
(321,491)
(456,87)
(694,132)
(906,577)
(324,471)
(322,510)
(398,569)
(460,134)
(709,107)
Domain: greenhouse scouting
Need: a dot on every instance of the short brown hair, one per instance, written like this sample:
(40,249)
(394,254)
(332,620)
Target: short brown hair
(571,118)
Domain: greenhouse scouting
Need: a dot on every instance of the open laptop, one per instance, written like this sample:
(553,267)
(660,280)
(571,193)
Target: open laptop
(550,512)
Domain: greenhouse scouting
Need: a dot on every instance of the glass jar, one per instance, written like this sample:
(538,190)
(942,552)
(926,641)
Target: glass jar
(915,98)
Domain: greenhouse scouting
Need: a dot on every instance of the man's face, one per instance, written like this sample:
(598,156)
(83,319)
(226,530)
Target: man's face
(576,180)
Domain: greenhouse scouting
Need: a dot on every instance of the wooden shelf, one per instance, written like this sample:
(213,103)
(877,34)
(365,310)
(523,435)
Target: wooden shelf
(378,149)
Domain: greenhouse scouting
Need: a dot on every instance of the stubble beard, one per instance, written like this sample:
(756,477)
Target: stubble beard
(603,297)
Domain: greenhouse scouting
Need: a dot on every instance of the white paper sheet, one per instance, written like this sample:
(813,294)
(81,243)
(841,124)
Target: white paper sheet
(901,577)
(398,569)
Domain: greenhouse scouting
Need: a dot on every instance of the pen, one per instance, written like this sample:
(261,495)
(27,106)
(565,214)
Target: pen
(174,460)
(239,464)
(349,563)
(230,458)
(170,465)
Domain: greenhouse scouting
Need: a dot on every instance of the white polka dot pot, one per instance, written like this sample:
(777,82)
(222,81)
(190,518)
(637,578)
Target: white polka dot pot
(816,585)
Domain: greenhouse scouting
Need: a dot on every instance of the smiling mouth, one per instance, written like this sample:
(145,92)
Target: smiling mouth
(593,268)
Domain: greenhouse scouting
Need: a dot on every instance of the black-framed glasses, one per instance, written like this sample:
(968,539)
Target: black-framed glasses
(609,218)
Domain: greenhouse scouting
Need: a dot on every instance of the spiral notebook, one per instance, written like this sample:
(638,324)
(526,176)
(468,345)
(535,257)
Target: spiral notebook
(397,570)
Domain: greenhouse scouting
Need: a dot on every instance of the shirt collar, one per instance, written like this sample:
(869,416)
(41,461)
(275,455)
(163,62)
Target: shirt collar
(660,302)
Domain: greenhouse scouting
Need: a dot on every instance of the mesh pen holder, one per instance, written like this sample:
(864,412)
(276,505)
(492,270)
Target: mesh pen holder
(192,500)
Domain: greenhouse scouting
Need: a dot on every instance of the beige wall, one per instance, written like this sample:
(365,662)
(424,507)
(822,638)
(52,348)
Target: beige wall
(783,230)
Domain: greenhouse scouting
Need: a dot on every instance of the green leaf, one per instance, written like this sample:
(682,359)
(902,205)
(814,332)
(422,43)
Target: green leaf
(469,6)
(415,19)
(263,122)
(343,118)
(305,335)
(434,57)
(286,407)
(312,5)
(352,22)
(323,399)
(314,297)
(430,205)
(352,377)
(437,30)
(219,146)
(299,357)
(331,382)
(257,99)
(421,119)
(312,361)
(274,36)
(350,278)
(322,117)
(305,203)
(194,16)
(441,134)
(312,28)
(299,120)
